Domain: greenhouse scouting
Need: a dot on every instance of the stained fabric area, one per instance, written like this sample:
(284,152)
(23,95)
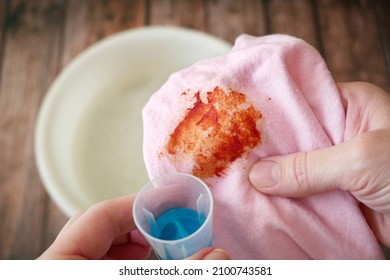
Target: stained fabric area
(218,129)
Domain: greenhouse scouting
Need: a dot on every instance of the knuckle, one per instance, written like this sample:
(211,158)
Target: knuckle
(295,174)
(101,209)
(369,157)
(301,176)
(363,150)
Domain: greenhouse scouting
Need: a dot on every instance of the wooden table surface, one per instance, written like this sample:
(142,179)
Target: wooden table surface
(38,38)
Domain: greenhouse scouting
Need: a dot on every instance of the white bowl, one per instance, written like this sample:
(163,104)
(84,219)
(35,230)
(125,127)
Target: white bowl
(88,138)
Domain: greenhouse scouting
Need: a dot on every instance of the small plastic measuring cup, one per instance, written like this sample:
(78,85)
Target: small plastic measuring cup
(174,213)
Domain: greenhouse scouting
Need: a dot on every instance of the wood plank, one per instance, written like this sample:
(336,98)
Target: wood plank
(2,28)
(228,19)
(351,41)
(190,13)
(384,5)
(87,22)
(294,18)
(382,9)
(55,221)
(30,58)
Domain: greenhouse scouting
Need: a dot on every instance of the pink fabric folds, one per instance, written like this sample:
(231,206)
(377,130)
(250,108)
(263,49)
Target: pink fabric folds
(269,95)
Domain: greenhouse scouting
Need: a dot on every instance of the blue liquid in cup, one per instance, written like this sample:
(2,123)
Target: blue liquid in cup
(176,223)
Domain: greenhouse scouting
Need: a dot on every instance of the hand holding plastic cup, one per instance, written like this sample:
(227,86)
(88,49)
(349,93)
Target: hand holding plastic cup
(174,213)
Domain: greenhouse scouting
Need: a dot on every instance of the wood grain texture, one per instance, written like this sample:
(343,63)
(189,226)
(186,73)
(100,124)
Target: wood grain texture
(352,45)
(382,9)
(86,22)
(296,18)
(228,19)
(38,38)
(89,21)
(190,13)
(30,56)
(2,29)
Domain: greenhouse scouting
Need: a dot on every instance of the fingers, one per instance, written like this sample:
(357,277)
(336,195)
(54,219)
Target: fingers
(301,174)
(107,230)
(217,254)
(366,107)
(210,254)
(121,252)
(128,251)
(352,165)
(91,234)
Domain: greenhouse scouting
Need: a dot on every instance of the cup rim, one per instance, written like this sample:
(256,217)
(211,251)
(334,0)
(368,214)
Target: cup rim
(172,242)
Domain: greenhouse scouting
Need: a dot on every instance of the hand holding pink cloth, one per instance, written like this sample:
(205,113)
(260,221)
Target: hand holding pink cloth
(269,95)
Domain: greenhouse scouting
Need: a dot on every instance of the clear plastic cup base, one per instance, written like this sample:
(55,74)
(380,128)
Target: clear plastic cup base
(174,213)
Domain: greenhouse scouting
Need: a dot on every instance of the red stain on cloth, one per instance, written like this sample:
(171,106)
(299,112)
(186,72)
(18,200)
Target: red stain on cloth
(215,132)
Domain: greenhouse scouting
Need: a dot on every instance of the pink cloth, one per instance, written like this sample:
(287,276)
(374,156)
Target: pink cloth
(269,95)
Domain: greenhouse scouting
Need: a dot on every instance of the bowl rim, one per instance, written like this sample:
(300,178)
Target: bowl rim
(47,173)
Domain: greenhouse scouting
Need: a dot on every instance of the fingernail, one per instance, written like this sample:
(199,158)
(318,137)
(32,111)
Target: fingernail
(264,174)
(217,254)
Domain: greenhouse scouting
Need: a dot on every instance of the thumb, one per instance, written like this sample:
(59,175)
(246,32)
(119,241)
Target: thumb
(303,174)
(210,254)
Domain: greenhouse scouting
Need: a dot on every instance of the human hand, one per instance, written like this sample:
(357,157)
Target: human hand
(107,231)
(360,165)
